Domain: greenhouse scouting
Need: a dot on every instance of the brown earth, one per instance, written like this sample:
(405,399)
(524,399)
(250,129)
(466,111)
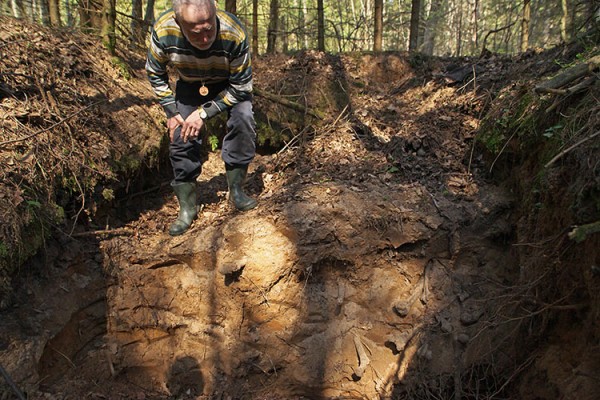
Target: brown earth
(385,260)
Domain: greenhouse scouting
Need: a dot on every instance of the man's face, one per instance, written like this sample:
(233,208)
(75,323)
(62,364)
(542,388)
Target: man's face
(198,25)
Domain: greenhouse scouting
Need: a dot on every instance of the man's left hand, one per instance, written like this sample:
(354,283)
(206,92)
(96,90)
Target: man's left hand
(190,129)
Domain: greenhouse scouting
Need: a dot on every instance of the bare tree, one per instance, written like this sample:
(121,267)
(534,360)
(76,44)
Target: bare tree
(564,21)
(109,18)
(415,12)
(378,26)
(255,26)
(320,25)
(136,25)
(231,6)
(54,12)
(431,26)
(525,25)
(149,15)
(273,22)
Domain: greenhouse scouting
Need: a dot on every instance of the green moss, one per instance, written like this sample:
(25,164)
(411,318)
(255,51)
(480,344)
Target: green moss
(122,67)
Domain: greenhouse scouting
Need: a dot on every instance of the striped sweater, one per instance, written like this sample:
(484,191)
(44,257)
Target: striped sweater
(226,63)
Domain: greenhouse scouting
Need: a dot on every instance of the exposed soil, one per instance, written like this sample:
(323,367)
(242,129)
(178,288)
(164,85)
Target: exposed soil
(384,259)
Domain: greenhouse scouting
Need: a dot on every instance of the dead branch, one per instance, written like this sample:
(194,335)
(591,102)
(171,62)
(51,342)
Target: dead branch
(580,233)
(485,38)
(118,231)
(290,104)
(565,151)
(2,144)
(568,76)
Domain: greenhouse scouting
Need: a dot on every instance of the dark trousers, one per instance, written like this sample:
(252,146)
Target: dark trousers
(239,143)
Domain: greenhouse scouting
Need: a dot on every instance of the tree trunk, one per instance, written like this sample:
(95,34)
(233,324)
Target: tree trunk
(231,6)
(44,12)
(68,13)
(137,27)
(475,25)
(54,9)
(415,11)
(431,27)
(255,27)
(525,25)
(18,9)
(564,21)
(272,31)
(109,17)
(459,29)
(378,30)
(320,26)
(149,15)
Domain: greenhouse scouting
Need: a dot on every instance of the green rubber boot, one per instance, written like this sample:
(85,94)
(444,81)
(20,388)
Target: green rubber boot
(235,179)
(186,194)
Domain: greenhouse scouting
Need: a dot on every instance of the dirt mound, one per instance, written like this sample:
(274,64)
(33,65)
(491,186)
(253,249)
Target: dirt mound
(382,262)
(76,124)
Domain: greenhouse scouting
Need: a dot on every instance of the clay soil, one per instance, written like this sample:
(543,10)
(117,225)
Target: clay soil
(383,260)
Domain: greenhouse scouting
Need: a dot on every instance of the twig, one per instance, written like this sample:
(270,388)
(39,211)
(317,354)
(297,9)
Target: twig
(117,231)
(11,383)
(565,151)
(2,144)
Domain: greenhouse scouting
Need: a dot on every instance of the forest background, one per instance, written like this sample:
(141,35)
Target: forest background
(432,27)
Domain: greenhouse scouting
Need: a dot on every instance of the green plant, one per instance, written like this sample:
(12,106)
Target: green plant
(213,141)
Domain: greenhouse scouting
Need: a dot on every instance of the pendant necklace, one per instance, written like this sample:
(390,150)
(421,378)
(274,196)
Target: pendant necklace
(203,90)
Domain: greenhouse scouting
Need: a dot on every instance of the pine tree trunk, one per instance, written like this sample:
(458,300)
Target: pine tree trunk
(378,30)
(54,10)
(109,17)
(149,15)
(272,31)
(413,40)
(255,27)
(525,25)
(320,25)
(431,27)
(137,27)
(231,6)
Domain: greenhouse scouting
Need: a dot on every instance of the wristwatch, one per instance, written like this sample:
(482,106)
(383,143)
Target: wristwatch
(203,114)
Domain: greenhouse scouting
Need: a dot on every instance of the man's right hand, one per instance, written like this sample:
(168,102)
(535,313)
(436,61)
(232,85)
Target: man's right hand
(172,124)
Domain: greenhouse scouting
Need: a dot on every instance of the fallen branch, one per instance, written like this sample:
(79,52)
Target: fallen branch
(565,151)
(288,103)
(2,144)
(580,233)
(117,231)
(568,76)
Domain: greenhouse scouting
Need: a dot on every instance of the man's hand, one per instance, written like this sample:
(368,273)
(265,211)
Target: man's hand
(190,128)
(172,124)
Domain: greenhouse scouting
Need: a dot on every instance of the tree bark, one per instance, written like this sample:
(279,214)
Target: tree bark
(149,15)
(431,27)
(255,27)
(44,12)
(525,25)
(378,30)
(273,25)
(564,21)
(415,11)
(137,27)
(109,18)
(320,26)
(54,8)
(231,6)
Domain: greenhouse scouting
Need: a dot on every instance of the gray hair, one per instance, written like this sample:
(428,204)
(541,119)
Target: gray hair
(178,5)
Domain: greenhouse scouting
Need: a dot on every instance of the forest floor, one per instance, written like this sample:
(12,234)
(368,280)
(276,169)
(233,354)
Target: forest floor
(385,258)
